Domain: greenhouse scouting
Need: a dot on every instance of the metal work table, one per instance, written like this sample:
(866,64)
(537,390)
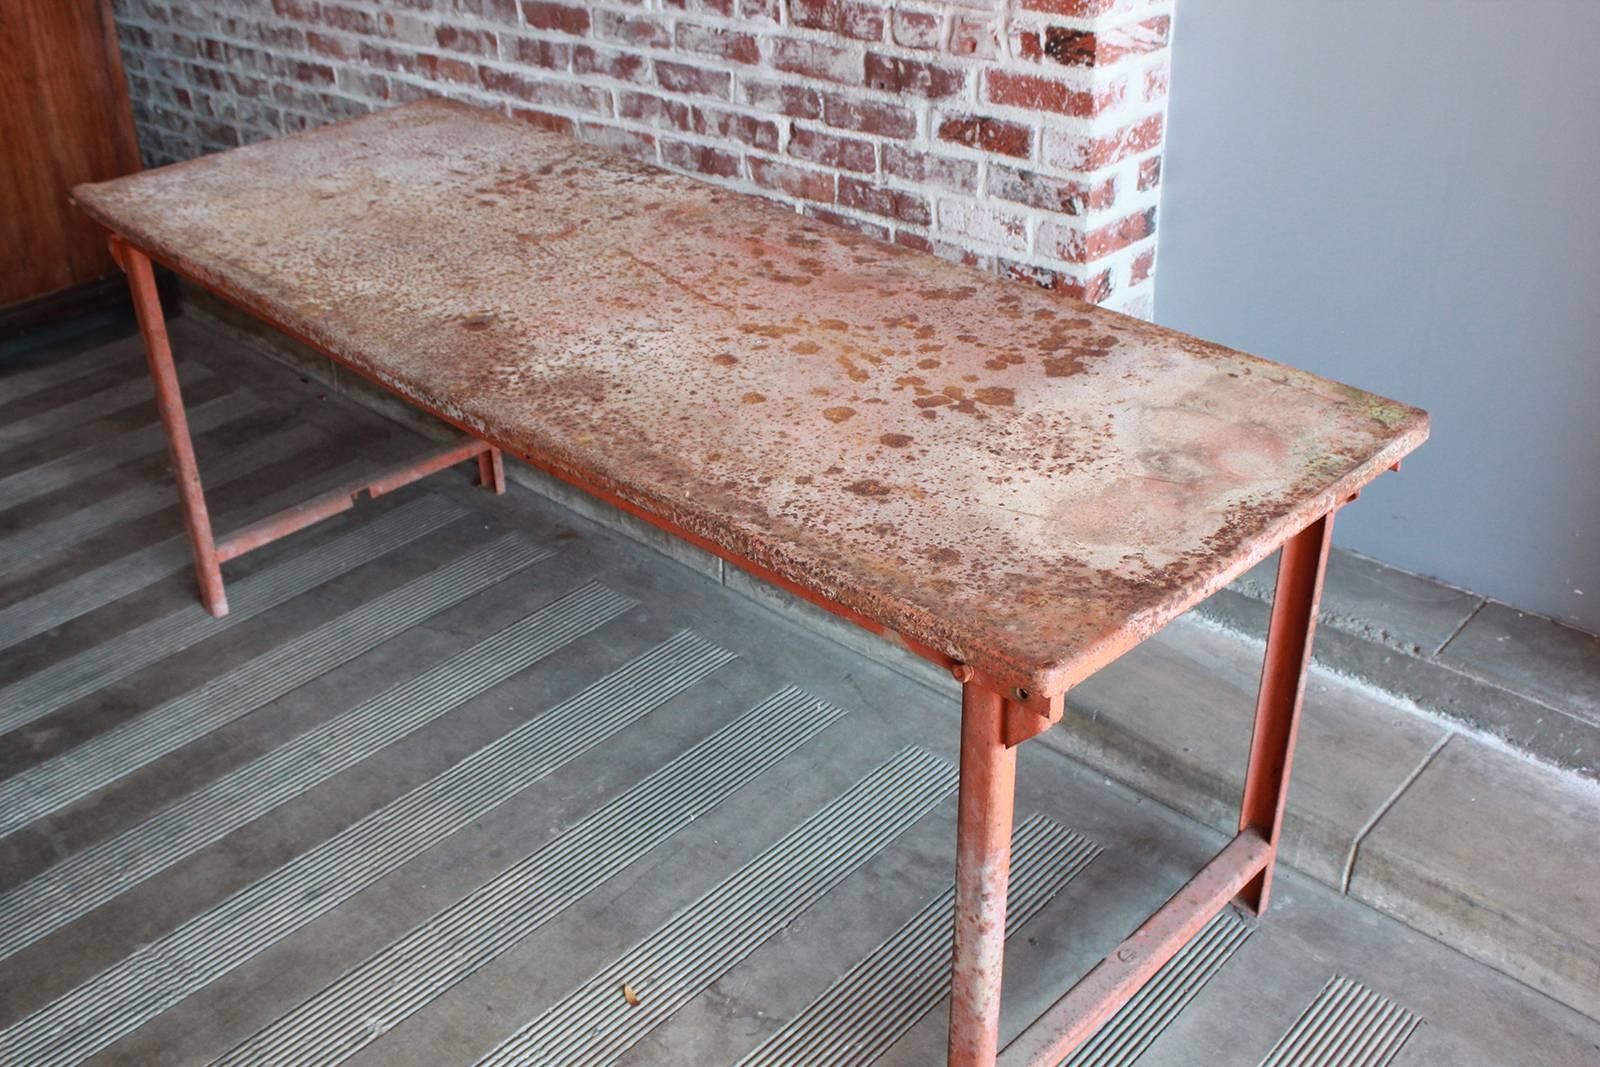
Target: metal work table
(1017,487)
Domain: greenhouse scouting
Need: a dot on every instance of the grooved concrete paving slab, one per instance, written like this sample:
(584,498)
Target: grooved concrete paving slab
(1467,1017)
(1481,826)
(1172,720)
(1532,655)
(473,804)
(1529,725)
(1380,603)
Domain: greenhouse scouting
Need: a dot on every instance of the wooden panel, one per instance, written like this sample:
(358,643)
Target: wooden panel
(66,120)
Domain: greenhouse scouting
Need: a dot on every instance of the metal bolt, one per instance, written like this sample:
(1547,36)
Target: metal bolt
(963,673)
(1020,693)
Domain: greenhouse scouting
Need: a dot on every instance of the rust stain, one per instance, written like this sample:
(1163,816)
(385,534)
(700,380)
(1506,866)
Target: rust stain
(1077,479)
(838,414)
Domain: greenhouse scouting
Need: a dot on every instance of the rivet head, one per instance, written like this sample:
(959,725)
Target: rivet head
(963,673)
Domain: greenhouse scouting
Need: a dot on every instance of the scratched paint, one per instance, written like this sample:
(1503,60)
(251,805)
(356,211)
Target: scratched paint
(1025,483)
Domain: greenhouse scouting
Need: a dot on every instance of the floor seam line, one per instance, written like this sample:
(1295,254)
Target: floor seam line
(1473,614)
(1394,798)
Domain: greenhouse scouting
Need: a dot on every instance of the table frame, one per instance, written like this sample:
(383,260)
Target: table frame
(994,721)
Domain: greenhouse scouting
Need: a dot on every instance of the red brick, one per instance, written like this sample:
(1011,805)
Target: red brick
(847,222)
(1100,48)
(350,20)
(285,37)
(864,22)
(626,142)
(987,133)
(913,240)
(914,77)
(1149,174)
(1079,8)
(767,10)
(543,15)
(983,222)
(723,44)
(1076,152)
(784,99)
(701,159)
(1115,236)
(1094,289)
(655,110)
(443,68)
(388,58)
(959,175)
(217,134)
(973,37)
(845,153)
(639,30)
(313,73)
(792,100)
(1144,265)
(1156,83)
(1065,195)
(298,10)
(1061,240)
(551,55)
(868,116)
(718,7)
(795,181)
(495,10)
(915,29)
(815,60)
(755,132)
(543,120)
(472,42)
(682,78)
(1046,94)
(623,66)
(882,200)
(549,94)
(365,81)
(336,47)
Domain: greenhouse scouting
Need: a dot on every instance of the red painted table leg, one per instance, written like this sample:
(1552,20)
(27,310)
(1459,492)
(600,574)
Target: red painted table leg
(1283,686)
(983,868)
(492,471)
(158,353)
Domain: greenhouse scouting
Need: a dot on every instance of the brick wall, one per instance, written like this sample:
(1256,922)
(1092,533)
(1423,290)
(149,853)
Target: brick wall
(1021,135)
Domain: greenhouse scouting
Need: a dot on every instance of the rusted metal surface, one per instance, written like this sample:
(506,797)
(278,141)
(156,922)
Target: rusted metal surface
(1015,481)
(1282,693)
(169,402)
(341,498)
(983,872)
(1074,1018)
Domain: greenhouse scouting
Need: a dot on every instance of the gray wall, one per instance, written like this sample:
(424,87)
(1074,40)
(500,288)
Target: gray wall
(1406,196)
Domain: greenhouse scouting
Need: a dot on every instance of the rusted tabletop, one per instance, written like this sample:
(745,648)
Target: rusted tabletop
(1027,484)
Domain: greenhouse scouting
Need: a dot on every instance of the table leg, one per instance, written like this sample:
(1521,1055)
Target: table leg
(158,353)
(492,471)
(983,868)
(1283,684)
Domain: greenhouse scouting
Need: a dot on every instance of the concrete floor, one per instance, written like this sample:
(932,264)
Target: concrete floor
(378,834)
